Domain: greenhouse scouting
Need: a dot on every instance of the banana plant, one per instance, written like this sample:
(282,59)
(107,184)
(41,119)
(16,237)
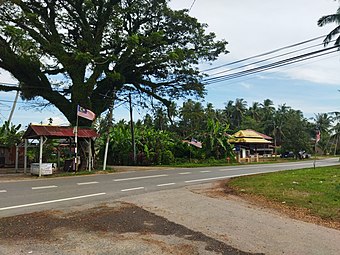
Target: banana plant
(10,134)
(215,140)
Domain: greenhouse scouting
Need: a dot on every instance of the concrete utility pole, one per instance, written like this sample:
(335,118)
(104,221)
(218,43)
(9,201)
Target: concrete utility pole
(108,133)
(13,107)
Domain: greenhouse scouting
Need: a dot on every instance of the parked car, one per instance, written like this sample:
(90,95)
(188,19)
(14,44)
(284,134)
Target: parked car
(288,154)
(303,155)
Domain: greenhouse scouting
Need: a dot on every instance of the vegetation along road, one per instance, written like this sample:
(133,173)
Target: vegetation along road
(55,193)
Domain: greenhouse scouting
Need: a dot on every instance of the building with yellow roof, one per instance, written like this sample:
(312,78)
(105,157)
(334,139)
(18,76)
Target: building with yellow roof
(250,143)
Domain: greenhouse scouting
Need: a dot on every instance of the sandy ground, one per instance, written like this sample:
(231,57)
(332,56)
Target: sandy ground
(240,224)
(184,221)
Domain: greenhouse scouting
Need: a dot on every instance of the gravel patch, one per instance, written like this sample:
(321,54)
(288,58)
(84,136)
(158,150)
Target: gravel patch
(120,228)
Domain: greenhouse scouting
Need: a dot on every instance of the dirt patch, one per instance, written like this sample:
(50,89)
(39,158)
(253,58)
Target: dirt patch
(222,190)
(117,222)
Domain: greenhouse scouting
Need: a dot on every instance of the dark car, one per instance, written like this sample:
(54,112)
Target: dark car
(288,154)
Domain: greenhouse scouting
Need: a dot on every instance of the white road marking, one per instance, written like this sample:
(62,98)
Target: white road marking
(230,176)
(215,178)
(207,171)
(132,189)
(166,184)
(45,187)
(86,183)
(261,166)
(236,169)
(185,173)
(3,191)
(51,201)
(141,177)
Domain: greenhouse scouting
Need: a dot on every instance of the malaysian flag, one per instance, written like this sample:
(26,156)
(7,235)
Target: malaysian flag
(318,136)
(85,113)
(196,143)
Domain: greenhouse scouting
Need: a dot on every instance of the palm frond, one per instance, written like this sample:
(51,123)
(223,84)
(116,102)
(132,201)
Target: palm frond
(332,18)
(331,35)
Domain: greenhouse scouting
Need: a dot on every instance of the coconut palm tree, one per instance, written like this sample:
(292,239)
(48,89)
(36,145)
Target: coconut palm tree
(323,122)
(228,110)
(279,120)
(267,114)
(254,111)
(332,18)
(336,135)
(239,110)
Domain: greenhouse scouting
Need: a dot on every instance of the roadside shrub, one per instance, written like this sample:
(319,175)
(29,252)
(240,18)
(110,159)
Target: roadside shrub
(167,157)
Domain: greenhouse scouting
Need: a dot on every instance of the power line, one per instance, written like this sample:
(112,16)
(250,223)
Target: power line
(267,59)
(231,81)
(277,64)
(265,54)
(20,102)
(192,5)
(262,69)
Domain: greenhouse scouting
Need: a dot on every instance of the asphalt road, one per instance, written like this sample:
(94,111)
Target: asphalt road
(18,197)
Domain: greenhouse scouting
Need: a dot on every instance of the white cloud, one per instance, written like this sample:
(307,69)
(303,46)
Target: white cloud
(56,121)
(253,27)
(246,85)
(6,77)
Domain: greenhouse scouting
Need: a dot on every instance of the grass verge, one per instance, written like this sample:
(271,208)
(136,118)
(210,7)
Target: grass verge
(316,190)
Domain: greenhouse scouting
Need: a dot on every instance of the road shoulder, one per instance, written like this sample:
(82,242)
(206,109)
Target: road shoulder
(238,223)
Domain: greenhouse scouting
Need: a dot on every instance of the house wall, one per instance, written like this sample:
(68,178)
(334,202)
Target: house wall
(7,156)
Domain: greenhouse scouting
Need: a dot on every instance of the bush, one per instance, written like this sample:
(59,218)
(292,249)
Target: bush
(167,157)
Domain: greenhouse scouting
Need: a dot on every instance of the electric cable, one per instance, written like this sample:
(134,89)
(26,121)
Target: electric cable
(280,63)
(267,59)
(266,53)
(192,5)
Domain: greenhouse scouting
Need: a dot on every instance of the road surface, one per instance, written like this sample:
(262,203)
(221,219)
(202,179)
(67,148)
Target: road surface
(18,197)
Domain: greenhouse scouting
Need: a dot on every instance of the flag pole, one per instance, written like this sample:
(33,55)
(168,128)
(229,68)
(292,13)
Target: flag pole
(84,113)
(314,156)
(317,139)
(76,143)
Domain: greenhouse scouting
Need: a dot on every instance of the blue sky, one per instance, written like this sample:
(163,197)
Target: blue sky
(251,27)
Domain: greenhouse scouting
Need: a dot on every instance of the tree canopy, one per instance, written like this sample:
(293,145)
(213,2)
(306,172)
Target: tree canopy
(331,18)
(90,52)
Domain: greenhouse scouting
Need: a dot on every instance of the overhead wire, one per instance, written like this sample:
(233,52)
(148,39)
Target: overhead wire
(277,64)
(192,5)
(266,53)
(249,69)
(246,78)
(267,59)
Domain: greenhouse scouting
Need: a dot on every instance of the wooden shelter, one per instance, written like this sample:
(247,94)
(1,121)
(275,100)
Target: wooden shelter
(250,143)
(44,132)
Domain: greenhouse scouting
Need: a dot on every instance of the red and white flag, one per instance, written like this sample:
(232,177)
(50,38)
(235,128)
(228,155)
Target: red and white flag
(196,143)
(85,113)
(318,136)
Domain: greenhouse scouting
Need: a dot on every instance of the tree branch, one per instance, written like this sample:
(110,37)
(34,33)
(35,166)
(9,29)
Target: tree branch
(9,88)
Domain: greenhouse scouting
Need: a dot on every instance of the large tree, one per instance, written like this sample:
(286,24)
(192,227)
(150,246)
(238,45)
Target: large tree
(296,132)
(89,52)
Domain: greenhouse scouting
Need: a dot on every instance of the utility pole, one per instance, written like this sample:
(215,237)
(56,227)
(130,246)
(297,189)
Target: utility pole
(109,119)
(13,107)
(132,131)
(110,114)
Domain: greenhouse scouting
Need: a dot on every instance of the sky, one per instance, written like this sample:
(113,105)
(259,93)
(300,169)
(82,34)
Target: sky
(251,27)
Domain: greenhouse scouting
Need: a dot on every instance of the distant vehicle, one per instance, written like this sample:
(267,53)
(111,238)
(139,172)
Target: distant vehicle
(288,154)
(303,155)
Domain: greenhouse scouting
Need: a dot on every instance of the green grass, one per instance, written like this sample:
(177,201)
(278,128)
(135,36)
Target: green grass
(317,190)
(223,162)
